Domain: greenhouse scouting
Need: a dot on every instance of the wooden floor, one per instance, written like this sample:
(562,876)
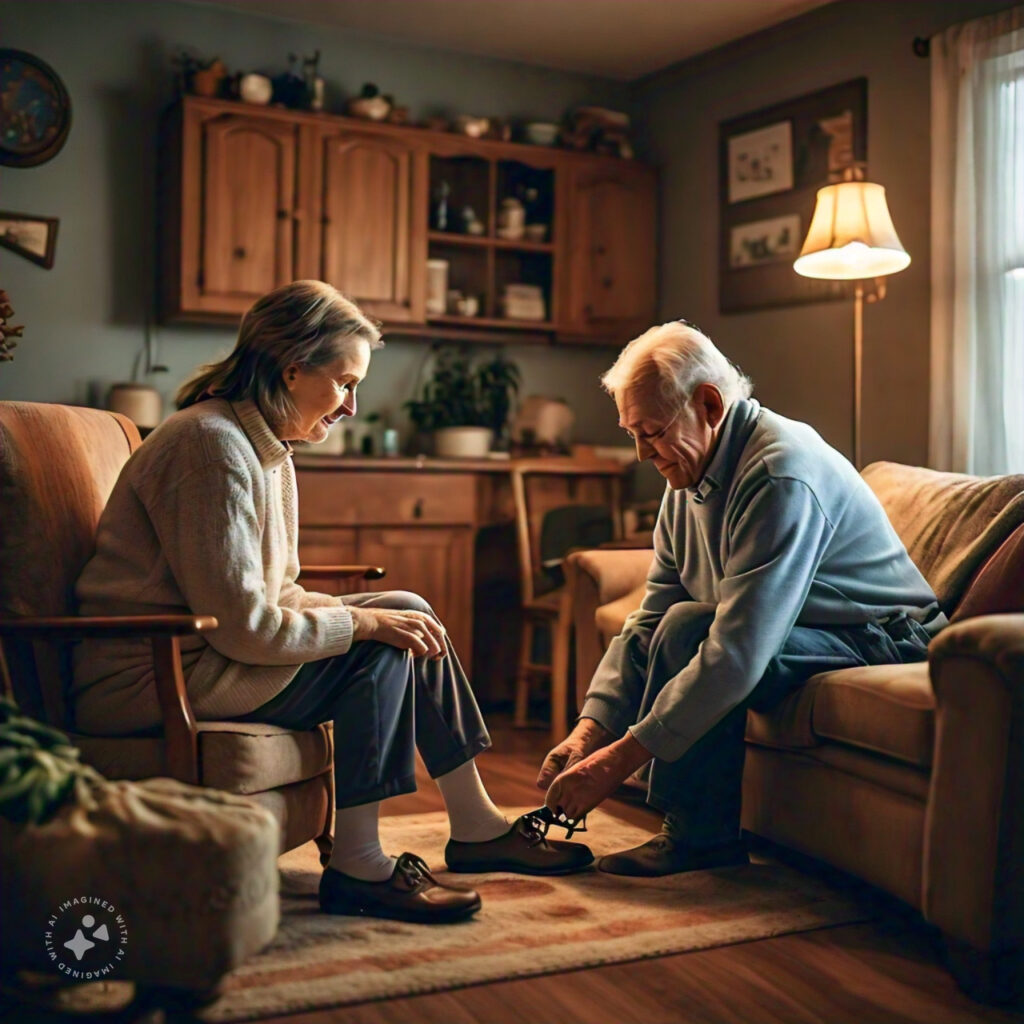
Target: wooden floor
(876,973)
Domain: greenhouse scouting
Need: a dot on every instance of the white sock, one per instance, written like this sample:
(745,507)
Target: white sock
(357,849)
(472,816)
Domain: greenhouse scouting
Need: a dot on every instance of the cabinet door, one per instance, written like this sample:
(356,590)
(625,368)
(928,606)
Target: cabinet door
(434,562)
(372,207)
(610,261)
(239,208)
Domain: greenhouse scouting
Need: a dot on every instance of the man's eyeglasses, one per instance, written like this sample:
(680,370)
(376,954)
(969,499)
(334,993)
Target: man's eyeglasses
(636,437)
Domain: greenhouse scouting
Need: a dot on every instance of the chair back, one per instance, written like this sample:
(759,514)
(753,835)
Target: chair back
(951,524)
(559,508)
(58,465)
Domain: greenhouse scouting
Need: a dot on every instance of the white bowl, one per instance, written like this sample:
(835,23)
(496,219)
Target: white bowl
(541,133)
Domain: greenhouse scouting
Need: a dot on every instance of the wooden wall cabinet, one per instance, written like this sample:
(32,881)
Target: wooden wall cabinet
(369,216)
(229,206)
(251,198)
(608,268)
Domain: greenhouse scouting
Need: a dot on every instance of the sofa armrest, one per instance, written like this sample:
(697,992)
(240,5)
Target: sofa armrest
(973,888)
(593,578)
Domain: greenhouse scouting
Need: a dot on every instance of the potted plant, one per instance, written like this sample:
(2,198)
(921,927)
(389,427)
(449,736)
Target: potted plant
(465,407)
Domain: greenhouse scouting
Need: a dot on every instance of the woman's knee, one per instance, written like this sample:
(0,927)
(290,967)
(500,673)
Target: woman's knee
(398,600)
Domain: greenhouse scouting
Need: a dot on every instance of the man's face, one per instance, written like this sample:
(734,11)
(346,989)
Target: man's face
(678,439)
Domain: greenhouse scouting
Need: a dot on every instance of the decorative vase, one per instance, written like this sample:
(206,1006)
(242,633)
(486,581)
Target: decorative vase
(463,442)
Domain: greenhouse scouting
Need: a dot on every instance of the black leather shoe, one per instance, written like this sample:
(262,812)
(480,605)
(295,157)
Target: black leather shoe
(663,855)
(524,849)
(410,894)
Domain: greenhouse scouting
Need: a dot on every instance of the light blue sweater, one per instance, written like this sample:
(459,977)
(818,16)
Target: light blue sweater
(781,530)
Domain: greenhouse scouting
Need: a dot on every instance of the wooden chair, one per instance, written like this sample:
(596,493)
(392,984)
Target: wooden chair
(58,465)
(548,494)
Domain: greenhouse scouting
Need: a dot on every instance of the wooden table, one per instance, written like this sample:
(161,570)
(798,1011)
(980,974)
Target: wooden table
(443,528)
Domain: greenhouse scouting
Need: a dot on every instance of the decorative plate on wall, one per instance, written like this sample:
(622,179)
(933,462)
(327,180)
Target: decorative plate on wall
(35,111)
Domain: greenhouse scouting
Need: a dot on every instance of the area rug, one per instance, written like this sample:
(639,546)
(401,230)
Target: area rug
(528,926)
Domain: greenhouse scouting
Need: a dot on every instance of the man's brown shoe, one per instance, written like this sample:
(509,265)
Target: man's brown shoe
(410,894)
(524,849)
(663,855)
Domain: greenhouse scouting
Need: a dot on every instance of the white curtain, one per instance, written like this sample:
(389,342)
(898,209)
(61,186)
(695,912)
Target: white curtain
(977,342)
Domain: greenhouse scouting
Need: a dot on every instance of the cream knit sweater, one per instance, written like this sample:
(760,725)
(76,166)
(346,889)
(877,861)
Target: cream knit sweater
(203,519)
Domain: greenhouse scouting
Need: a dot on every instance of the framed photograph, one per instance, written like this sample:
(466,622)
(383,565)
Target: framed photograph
(761,162)
(771,164)
(765,241)
(35,238)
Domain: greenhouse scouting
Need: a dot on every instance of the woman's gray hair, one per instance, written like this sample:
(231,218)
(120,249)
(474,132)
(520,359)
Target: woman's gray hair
(306,322)
(682,357)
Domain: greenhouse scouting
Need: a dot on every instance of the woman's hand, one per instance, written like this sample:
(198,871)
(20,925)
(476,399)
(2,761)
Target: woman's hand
(403,628)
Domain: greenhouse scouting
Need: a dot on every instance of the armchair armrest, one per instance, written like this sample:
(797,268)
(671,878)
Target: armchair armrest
(973,889)
(79,627)
(341,572)
(614,571)
(181,744)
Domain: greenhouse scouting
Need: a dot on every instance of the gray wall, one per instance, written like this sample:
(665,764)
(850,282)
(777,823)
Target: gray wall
(800,356)
(86,318)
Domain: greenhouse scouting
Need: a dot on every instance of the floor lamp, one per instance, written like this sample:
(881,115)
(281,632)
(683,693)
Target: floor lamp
(852,238)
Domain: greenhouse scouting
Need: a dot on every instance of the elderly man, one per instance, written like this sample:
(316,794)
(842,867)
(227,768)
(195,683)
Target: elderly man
(773,561)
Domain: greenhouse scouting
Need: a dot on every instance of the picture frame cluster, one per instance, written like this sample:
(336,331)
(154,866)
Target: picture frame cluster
(771,164)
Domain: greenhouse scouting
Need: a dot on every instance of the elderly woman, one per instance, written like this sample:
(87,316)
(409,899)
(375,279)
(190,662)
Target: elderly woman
(204,518)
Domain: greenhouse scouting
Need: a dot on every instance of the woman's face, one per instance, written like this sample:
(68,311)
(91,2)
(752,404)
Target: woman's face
(323,394)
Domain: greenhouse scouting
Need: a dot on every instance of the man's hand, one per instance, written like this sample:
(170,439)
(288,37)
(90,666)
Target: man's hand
(581,787)
(586,737)
(403,628)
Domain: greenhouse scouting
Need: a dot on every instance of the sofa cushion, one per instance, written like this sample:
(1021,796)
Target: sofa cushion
(888,709)
(238,757)
(999,585)
(950,523)
(610,617)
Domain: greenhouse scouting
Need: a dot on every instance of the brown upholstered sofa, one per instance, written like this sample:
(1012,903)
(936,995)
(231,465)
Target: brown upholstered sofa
(909,776)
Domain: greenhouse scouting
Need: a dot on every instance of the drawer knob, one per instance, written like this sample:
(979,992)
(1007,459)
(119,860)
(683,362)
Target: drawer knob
(417,509)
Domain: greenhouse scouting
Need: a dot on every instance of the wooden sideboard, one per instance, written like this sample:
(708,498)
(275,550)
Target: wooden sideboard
(251,198)
(443,529)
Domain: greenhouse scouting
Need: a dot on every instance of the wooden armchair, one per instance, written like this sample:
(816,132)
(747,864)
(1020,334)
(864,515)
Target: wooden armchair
(58,465)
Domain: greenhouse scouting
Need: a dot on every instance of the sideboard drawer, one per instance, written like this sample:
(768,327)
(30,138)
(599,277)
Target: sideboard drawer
(385,499)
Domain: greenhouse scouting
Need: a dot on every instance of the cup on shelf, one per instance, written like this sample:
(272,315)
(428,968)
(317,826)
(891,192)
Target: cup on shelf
(437,286)
(467,305)
(536,232)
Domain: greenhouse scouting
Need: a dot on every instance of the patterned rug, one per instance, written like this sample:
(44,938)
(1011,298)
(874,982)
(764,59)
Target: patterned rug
(528,926)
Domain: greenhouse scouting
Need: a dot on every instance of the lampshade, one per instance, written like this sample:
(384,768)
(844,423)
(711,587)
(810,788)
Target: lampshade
(851,235)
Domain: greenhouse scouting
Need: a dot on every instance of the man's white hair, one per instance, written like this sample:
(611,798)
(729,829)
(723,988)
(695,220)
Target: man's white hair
(682,358)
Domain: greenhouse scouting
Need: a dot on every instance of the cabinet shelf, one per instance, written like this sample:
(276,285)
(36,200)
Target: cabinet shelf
(483,242)
(488,321)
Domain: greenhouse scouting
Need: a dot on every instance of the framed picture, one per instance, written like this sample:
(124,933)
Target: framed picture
(771,164)
(35,238)
(761,162)
(765,241)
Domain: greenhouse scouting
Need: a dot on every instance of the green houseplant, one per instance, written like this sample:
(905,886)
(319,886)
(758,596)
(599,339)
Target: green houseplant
(465,406)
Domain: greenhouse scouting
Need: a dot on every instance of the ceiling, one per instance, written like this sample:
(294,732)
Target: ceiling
(619,39)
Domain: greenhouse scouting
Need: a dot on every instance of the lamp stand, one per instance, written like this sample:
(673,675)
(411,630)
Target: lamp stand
(858,354)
